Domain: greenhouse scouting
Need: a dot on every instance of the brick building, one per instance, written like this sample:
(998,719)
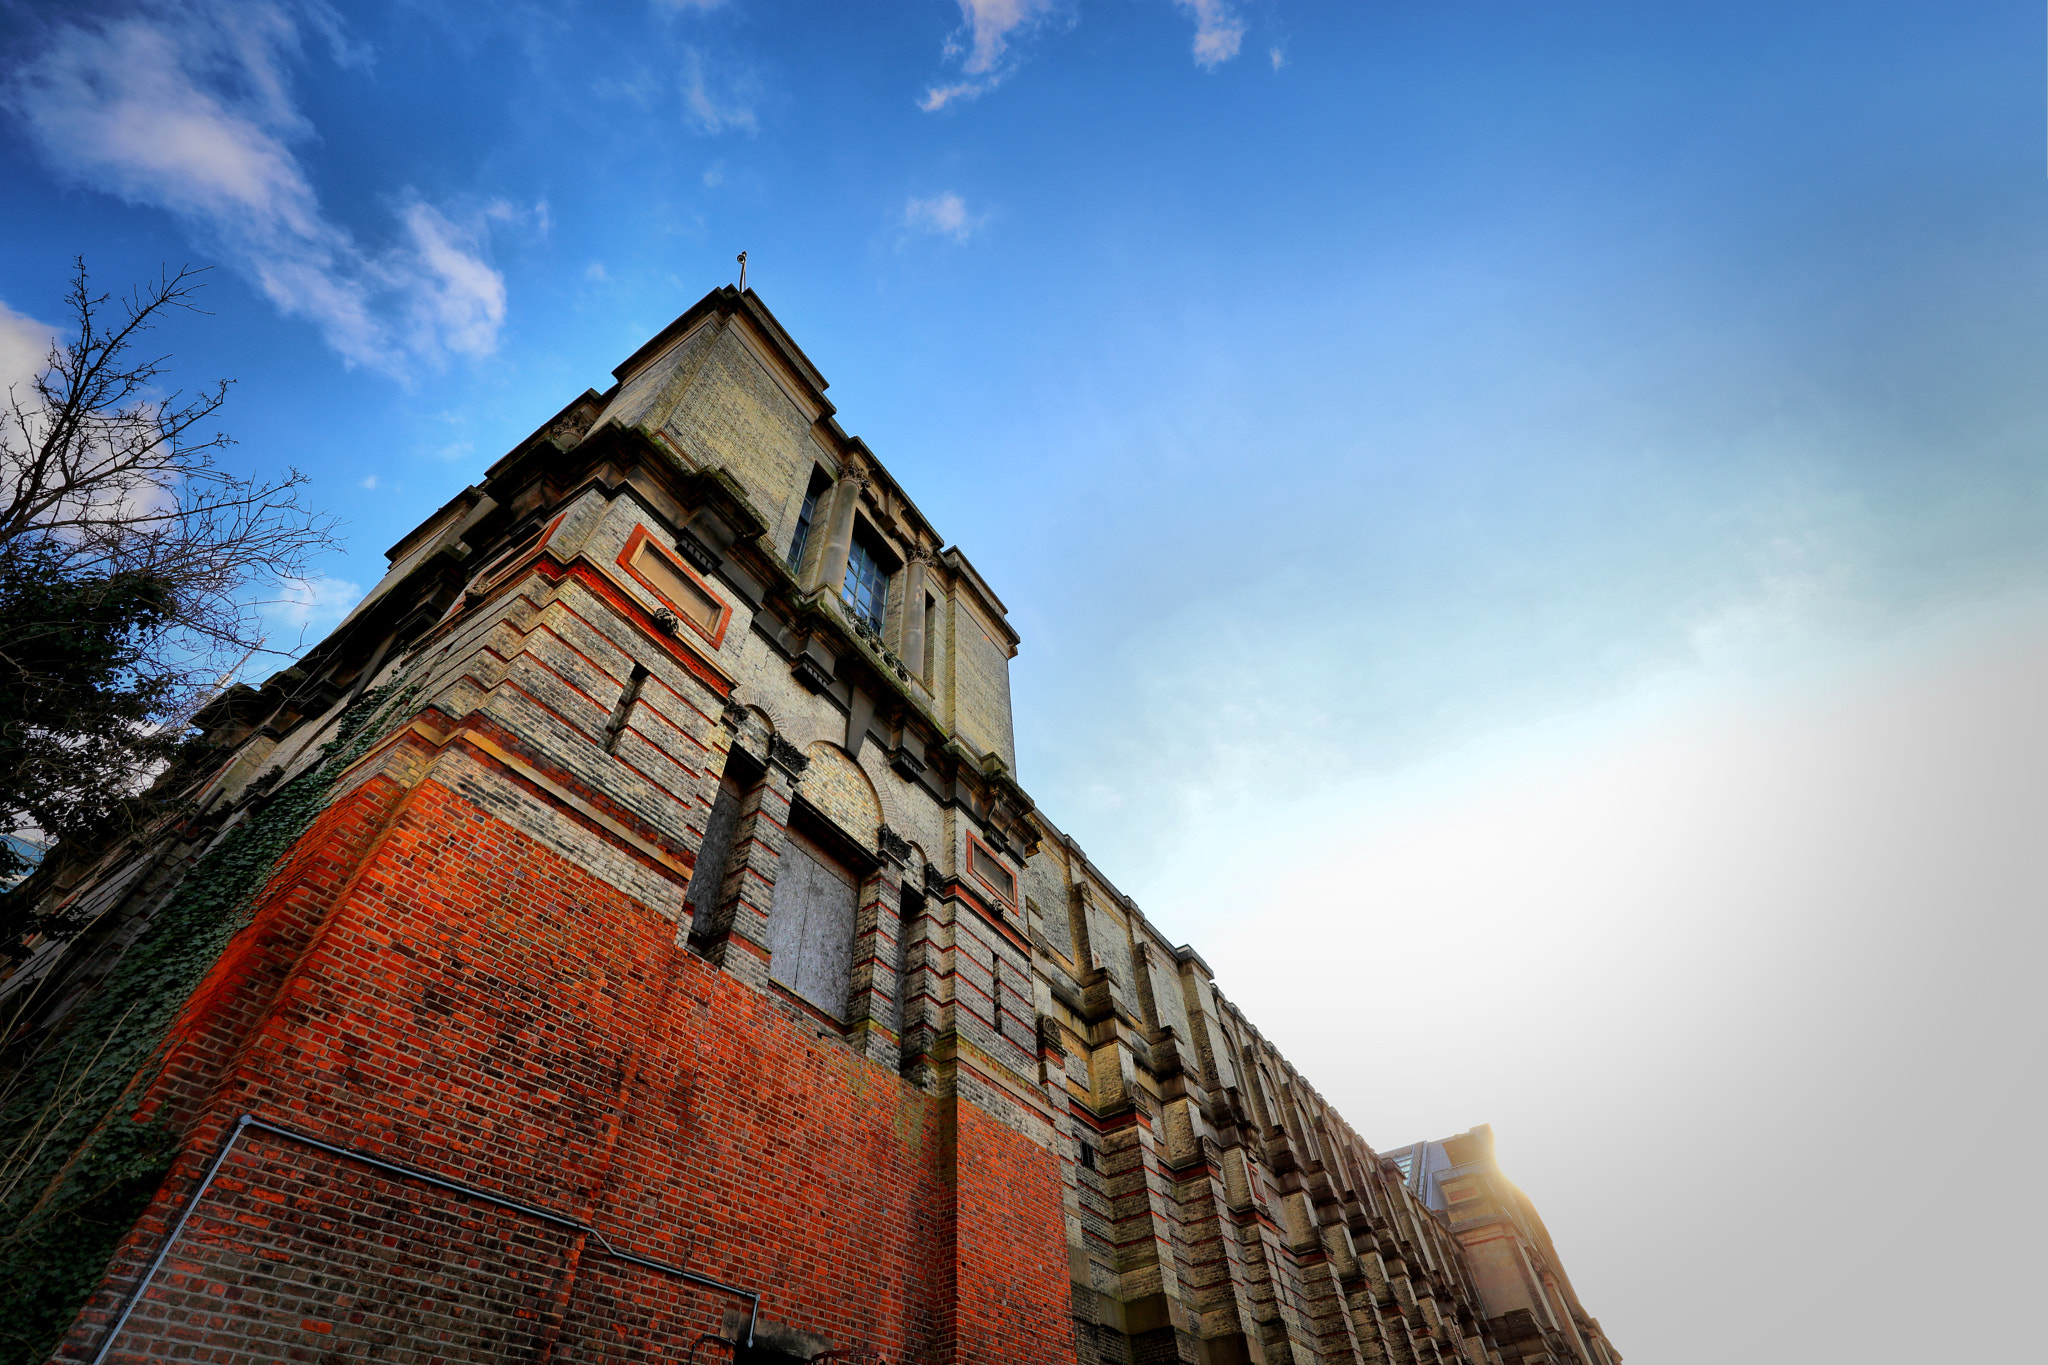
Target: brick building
(627,929)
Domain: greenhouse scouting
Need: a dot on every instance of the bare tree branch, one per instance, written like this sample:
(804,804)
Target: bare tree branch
(104,475)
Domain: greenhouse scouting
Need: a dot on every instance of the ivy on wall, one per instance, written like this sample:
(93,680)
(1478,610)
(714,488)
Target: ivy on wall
(76,1170)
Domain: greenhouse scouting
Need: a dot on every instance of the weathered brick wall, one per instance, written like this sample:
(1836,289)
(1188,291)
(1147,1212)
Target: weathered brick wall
(504,1019)
(979,678)
(296,1254)
(1009,1288)
(733,413)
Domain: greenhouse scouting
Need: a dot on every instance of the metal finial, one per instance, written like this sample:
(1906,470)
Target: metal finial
(743,272)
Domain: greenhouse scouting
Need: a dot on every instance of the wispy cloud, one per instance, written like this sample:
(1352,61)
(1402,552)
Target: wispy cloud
(982,43)
(190,110)
(1218,32)
(944,214)
(715,103)
(24,346)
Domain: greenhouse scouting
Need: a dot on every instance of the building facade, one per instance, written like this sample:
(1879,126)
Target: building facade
(625,938)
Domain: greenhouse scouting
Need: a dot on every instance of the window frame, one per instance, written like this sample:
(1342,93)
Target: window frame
(927,668)
(807,519)
(865,547)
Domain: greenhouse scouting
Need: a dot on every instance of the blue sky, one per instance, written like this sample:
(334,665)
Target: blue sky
(1395,428)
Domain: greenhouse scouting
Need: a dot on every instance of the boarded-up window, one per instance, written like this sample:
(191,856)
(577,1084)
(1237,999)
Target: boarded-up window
(992,873)
(677,588)
(810,925)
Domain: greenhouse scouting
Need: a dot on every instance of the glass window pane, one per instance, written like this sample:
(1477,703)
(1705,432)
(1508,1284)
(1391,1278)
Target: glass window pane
(803,529)
(867,587)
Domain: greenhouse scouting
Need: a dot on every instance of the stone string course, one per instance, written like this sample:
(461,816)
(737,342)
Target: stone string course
(1035,1132)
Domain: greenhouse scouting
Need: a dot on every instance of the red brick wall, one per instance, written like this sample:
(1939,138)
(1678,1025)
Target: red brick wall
(468,1002)
(1011,1282)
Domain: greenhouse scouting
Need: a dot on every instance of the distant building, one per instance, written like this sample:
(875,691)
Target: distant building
(1527,1298)
(625,938)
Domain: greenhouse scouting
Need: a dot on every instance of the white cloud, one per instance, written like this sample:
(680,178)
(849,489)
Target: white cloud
(1278,57)
(1218,32)
(370,483)
(190,110)
(24,346)
(982,42)
(714,175)
(596,273)
(989,28)
(944,214)
(457,300)
(312,606)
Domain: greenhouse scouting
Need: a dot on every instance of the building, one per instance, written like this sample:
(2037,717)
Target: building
(1533,1311)
(627,929)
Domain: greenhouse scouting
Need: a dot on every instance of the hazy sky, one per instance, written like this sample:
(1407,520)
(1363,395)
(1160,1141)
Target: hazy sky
(1527,520)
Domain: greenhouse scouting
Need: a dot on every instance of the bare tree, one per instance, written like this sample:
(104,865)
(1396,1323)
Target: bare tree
(104,476)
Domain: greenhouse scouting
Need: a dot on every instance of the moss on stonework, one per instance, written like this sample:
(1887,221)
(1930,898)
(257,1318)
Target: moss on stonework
(76,1170)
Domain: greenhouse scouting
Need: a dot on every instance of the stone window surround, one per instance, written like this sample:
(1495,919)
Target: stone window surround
(846,510)
(1007,899)
(643,538)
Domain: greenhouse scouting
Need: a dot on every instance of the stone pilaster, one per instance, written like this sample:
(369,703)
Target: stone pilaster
(910,643)
(736,937)
(871,1009)
(837,513)
(923,985)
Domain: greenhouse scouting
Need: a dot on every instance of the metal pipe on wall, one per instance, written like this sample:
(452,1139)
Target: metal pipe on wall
(249,1121)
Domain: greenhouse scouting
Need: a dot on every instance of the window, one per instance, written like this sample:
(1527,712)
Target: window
(992,873)
(811,924)
(819,483)
(867,583)
(931,635)
(615,728)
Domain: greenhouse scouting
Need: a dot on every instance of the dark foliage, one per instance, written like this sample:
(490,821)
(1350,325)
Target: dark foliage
(75,715)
